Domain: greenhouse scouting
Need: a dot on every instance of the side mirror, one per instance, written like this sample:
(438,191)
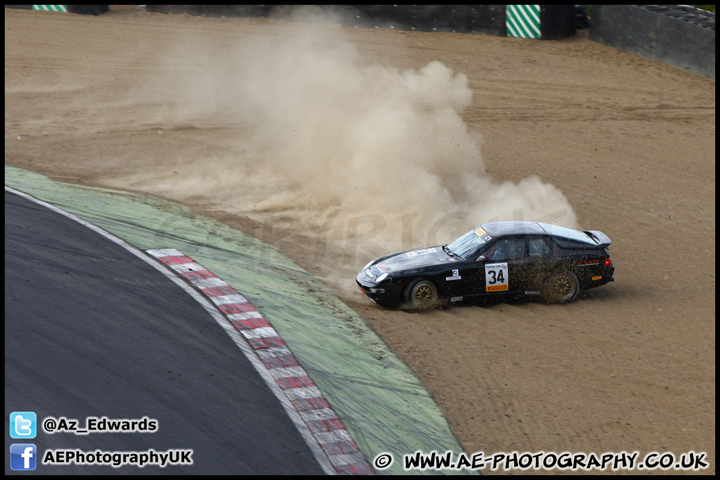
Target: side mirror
(480,259)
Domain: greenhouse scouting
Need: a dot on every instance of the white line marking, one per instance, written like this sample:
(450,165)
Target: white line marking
(318,414)
(166,252)
(286,372)
(262,332)
(209,283)
(304,393)
(273,352)
(244,316)
(225,299)
(186,267)
(334,436)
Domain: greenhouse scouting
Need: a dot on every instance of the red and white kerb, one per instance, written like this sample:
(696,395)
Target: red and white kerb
(278,359)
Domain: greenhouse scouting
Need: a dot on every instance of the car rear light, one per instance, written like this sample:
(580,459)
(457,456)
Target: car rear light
(608,262)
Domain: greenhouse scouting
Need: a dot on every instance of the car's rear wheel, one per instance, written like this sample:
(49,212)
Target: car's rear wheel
(421,294)
(561,287)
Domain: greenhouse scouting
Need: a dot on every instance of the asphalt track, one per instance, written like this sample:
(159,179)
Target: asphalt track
(91,330)
(382,404)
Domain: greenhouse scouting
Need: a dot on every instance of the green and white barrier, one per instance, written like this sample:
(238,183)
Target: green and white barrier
(523,21)
(51,8)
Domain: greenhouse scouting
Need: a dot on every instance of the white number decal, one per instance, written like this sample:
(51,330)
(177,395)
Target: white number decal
(455,275)
(496,277)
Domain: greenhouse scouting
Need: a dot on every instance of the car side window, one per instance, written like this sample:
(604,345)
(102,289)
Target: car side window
(538,247)
(504,250)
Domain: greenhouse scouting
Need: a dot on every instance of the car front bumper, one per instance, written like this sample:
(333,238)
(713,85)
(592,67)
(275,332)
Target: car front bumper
(386,294)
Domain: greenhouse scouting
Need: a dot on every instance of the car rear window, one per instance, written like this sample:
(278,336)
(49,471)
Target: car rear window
(569,238)
(538,247)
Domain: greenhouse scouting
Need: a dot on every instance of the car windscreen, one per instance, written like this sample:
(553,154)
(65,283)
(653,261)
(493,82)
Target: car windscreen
(469,243)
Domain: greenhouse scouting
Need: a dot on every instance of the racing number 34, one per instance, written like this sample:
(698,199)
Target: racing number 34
(496,277)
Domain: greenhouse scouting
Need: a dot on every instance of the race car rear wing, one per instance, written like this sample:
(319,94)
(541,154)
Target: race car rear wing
(602,239)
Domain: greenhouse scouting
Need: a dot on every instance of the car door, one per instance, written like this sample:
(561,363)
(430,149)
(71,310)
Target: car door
(503,266)
(473,279)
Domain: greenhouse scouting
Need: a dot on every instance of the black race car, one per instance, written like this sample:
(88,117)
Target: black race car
(500,258)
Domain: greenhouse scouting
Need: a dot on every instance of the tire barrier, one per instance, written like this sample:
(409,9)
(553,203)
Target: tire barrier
(212,10)
(88,9)
(679,36)
(555,21)
(581,18)
(487,19)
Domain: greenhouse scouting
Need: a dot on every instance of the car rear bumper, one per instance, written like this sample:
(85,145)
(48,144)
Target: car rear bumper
(597,279)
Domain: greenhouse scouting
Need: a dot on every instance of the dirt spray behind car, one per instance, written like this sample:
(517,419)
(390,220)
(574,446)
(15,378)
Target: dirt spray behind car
(362,157)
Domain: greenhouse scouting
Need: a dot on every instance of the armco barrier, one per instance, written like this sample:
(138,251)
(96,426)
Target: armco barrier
(680,36)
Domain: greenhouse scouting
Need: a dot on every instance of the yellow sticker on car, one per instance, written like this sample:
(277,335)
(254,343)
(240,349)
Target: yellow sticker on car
(496,288)
(597,278)
(480,232)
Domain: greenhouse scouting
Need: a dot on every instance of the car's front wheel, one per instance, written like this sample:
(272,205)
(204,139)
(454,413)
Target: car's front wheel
(561,287)
(421,294)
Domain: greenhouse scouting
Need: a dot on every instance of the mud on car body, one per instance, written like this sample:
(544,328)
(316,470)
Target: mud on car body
(494,259)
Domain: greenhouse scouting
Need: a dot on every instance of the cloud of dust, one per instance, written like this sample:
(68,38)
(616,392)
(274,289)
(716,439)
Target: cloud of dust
(373,159)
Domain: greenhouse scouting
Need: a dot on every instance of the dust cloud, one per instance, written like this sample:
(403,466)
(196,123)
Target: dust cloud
(368,158)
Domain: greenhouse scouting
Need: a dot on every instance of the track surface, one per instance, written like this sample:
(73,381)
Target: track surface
(91,330)
(629,142)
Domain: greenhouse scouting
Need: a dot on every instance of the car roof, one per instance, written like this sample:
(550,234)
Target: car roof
(499,229)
